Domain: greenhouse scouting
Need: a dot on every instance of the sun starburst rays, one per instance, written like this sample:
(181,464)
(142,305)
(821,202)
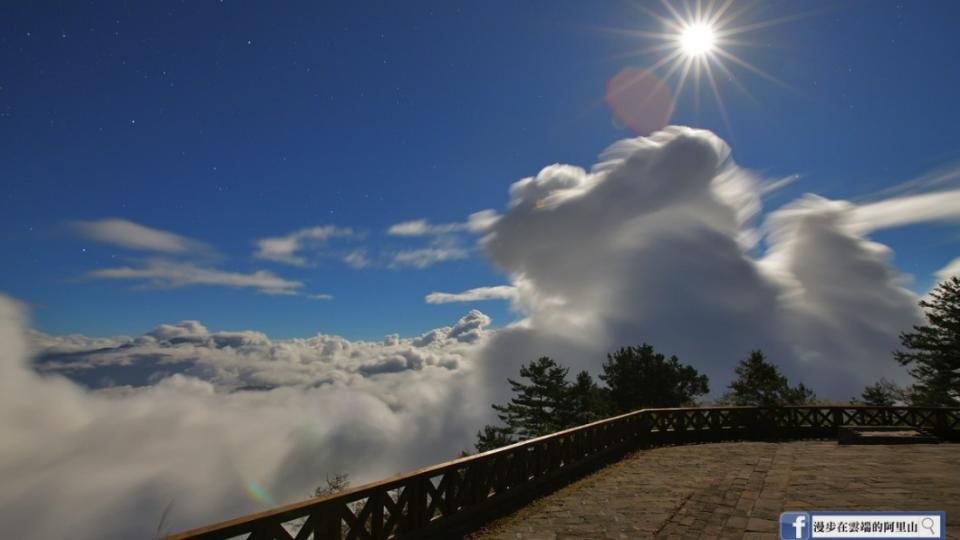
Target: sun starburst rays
(694,43)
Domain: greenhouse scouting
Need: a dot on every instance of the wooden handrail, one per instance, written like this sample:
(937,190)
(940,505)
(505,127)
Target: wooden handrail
(466,490)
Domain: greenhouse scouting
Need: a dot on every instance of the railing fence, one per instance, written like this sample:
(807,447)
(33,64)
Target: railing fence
(468,491)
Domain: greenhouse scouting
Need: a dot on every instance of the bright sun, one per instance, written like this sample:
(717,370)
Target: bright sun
(697,39)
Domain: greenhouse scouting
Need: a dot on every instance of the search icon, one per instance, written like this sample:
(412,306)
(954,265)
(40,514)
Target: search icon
(927,523)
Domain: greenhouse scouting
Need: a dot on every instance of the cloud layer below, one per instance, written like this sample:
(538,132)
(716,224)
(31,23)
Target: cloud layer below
(214,424)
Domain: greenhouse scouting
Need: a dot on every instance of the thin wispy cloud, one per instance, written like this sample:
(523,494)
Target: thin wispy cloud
(129,235)
(357,259)
(162,273)
(183,261)
(425,257)
(771,187)
(476,223)
(937,179)
(422,227)
(446,240)
(499,292)
(287,249)
(938,206)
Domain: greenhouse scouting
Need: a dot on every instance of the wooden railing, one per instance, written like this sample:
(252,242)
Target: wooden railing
(465,492)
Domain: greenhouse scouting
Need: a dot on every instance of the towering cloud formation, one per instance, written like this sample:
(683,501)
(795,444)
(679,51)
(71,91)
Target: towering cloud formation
(654,244)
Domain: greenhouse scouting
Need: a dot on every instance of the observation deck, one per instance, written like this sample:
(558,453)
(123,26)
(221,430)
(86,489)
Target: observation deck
(738,489)
(676,473)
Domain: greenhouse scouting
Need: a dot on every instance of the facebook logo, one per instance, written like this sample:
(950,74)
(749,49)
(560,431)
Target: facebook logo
(794,526)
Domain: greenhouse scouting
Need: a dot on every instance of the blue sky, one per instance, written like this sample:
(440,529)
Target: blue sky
(195,175)
(227,123)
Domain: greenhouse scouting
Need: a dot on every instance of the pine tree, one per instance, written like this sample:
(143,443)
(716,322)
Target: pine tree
(492,437)
(540,407)
(638,377)
(882,393)
(586,401)
(760,383)
(934,349)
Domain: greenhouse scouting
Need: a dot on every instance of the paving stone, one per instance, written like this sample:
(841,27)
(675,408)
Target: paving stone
(761,525)
(737,522)
(737,490)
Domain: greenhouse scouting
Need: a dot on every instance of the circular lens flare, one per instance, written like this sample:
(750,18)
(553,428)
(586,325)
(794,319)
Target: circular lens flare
(697,39)
(639,99)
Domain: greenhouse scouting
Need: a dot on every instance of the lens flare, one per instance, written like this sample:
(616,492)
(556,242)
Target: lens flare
(639,99)
(257,493)
(696,42)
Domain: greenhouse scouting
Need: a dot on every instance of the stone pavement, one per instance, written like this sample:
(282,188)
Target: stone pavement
(737,490)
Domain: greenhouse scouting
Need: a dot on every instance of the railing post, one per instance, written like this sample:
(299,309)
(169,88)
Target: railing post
(376,515)
(940,424)
(479,484)
(451,492)
(329,522)
(416,505)
(752,422)
(837,414)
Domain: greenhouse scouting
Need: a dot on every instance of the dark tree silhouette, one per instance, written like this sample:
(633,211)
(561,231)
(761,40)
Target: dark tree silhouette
(934,349)
(542,406)
(491,437)
(760,383)
(882,393)
(587,401)
(338,483)
(638,377)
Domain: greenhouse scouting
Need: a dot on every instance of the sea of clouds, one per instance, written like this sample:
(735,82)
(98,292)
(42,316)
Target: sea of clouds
(224,423)
(113,438)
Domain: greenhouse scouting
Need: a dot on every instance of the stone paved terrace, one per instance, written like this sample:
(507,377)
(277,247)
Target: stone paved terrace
(737,490)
